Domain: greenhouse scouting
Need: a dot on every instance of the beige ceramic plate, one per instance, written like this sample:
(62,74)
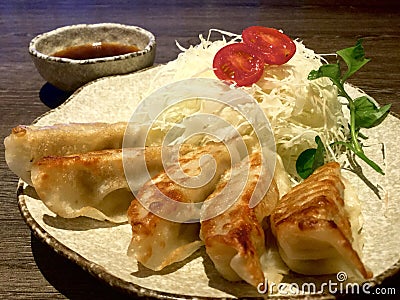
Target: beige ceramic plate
(100,248)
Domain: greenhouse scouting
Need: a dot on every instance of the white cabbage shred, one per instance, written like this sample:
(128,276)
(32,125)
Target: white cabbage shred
(297,108)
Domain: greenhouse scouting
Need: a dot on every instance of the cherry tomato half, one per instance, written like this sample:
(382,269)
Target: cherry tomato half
(276,48)
(238,63)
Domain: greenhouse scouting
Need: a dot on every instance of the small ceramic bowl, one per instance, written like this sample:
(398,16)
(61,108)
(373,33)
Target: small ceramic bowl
(69,74)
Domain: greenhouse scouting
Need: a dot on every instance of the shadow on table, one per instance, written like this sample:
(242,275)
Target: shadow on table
(77,224)
(53,97)
(144,272)
(68,278)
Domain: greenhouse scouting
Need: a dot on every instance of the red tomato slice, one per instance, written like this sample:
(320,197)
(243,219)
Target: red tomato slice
(276,48)
(238,63)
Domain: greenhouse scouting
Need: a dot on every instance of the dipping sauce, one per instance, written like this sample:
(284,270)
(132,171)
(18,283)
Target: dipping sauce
(96,50)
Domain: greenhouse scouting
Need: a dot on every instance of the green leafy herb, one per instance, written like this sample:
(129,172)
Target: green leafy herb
(354,57)
(368,115)
(309,160)
(331,70)
(363,111)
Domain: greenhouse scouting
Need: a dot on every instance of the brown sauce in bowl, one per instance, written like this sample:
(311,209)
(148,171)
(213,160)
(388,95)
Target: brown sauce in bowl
(96,50)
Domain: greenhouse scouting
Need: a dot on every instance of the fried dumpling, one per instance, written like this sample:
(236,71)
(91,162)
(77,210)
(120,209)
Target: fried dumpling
(160,235)
(92,184)
(235,239)
(312,226)
(27,144)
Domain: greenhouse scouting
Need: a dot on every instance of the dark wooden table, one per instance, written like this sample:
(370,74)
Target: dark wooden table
(32,270)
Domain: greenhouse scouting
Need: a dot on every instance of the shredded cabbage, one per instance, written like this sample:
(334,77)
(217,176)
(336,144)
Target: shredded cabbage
(297,108)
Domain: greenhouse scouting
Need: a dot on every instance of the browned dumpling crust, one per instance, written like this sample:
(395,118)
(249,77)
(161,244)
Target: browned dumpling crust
(158,242)
(91,184)
(312,226)
(235,239)
(27,144)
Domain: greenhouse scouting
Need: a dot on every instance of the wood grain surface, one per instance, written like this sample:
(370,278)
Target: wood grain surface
(32,270)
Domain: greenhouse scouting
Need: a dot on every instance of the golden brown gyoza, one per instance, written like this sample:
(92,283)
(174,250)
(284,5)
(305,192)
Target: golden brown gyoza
(156,241)
(27,144)
(93,184)
(312,226)
(235,239)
